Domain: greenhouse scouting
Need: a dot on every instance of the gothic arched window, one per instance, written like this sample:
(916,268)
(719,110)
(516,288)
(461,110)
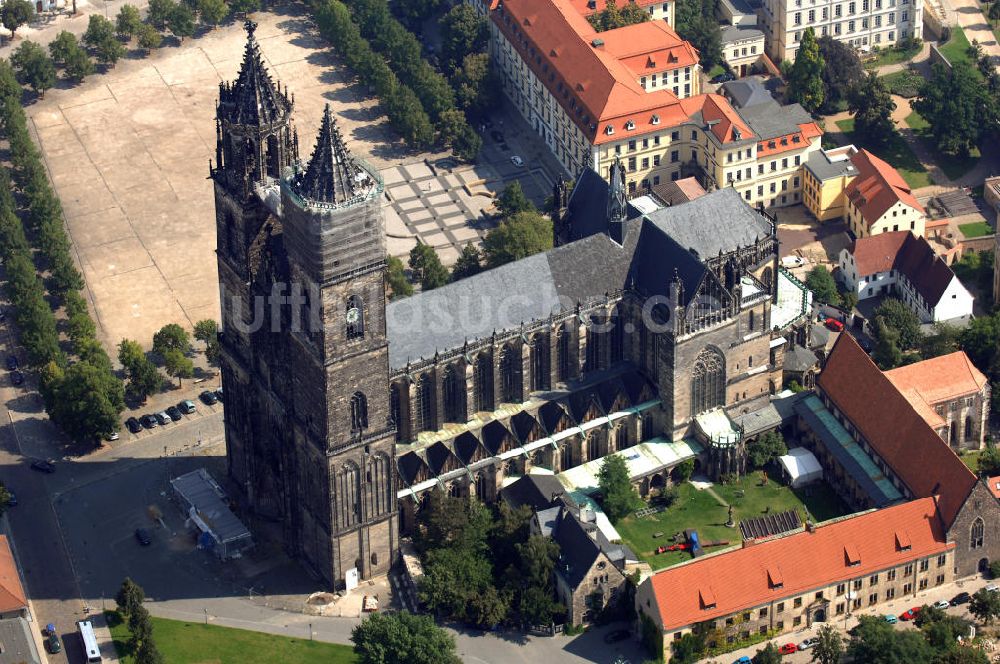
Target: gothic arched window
(424,406)
(593,447)
(539,363)
(751,320)
(355,317)
(394,411)
(483,392)
(968,428)
(359,411)
(593,362)
(454,395)
(349,495)
(976,540)
(562,352)
(617,337)
(708,381)
(767,276)
(508,375)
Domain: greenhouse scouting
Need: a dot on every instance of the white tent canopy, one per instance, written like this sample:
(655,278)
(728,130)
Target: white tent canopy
(801,467)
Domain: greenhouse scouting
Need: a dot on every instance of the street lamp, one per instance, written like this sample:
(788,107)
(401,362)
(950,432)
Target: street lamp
(310,631)
(205,609)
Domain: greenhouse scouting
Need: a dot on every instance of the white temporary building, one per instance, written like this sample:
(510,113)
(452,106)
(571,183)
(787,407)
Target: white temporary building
(801,467)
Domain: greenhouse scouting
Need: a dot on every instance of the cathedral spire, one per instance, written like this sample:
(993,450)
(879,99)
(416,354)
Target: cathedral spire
(332,175)
(253,99)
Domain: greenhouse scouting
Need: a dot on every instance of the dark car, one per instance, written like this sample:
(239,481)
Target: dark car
(142,535)
(43,466)
(174,413)
(208,397)
(148,421)
(218,395)
(53,644)
(616,636)
(16,377)
(11,362)
(723,77)
(133,425)
(960,598)
(187,406)
(12,501)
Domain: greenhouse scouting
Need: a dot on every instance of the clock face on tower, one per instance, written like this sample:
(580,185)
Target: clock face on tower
(353,315)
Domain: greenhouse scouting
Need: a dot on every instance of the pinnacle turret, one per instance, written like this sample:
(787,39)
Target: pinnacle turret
(332,175)
(253,99)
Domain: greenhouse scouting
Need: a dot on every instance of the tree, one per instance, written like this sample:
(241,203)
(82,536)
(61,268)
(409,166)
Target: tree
(619,497)
(140,627)
(767,655)
(512,200)
(805,79)
(612,17)
(842,71)
(959,109)
(821,283)
(872,106)
(684,470)
(85,401)
(130,596)
(517,237)
(78,65)
(148,653)
(159,12)
(396,277)
(206,330)
(981,342)
(402,638)
(463,33)
(128,21)
(62,45)
(15,13)
(171,337)
(34,67)
(181,21)
(212,11)
(876,642)
(886,353)
(985,605)
(468,264)
(988,463)
(943,340)
(245,7)
(99,29)
(899,317)
(963,655)
(994,14)
(830,646)
(766,449)
(178,365)
(110,51)
(427,267)
(687,649)
(149,37)
(475,84)
(144,378)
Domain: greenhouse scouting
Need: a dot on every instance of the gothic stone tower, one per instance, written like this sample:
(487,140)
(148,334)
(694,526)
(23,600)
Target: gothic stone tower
(304,356)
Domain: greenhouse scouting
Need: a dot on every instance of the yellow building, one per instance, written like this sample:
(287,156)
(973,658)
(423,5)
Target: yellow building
(880,201)
(827,174)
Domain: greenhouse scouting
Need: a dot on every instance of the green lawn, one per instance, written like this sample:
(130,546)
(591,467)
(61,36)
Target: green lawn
(897,153)
(715,71)
(891,56)
(954,166)
(699,510)
(904,83)
(976,229)
(971,459)
(955,49)
(193,643)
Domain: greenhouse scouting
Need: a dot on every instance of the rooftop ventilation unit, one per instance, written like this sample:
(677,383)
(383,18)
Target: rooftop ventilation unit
(597,43)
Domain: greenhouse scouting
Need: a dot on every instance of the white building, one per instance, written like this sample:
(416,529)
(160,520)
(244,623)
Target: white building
(905,266)
(865,24)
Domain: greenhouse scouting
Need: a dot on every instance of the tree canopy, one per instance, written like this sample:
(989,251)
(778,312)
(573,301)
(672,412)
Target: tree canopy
(402,638)
(766,449)
(821,283)
(427,267)
(521,235)
(842,70)
(895,315)
(618,496)
(395,275)
(34,67)
(959,109)
(463,33)
(469,263)
(85,400)
(872,106)
(695,22)
(612,17)
(15,13)
(171,337)
(805,79)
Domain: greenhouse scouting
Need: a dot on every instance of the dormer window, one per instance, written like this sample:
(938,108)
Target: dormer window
(795,139)
(609,130)
(629,125)
(851,555)
(655,119)
(737,134)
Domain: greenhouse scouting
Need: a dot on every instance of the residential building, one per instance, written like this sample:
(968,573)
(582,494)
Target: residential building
(813,575)
(864,24)
(597,97)
(746,92)
(879,200)
(825,180)
(742,48)
(906,267)
(13,600)
(786,138)
(659,10)
(737,12)
(17,645)
(952,396)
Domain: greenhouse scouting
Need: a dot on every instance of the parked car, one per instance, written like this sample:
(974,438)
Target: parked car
(218,395)
(890,618)
(834,324)
(49,629)
(174,413)
(992,588)
(788,649)
(53,644)
(43,466)
(16,377)
(208,397)
(809,643)
(148,421)
(743,660)
(112,436)
(616,636)
(792,261)
(517,161)
(187,406)
(960,598)
(942,604)
(11,362)
(133,425)
(162,418)
(910,613)
(142,535)
(723,77)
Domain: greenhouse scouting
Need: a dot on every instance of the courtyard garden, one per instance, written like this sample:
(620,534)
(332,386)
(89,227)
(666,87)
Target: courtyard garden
(705,510)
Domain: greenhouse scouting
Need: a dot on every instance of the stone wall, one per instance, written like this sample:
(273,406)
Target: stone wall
(982,506)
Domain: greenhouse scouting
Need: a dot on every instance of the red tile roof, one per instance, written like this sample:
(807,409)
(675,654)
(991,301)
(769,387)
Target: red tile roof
(893,427)
(994,484)
(12,597)
(807,131)
(648,47)
(583,6)
(733,581)
(911,255)
(938,379)
(877,187)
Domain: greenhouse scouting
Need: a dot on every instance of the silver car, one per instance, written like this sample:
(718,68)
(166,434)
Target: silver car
(811,642)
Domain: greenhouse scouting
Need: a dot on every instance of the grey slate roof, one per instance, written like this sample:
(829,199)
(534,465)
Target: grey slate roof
(771,120)
(799,359)
(746,92)
(332,175)
(824,169)
(253,99)
(734,33)
(738,6)
(577,551)
(540,492)
(16,643)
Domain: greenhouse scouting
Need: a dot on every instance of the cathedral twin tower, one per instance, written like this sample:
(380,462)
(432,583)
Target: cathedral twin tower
(301,255)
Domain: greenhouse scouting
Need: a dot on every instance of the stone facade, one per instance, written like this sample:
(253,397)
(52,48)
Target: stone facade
(976,532)
(602,586)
